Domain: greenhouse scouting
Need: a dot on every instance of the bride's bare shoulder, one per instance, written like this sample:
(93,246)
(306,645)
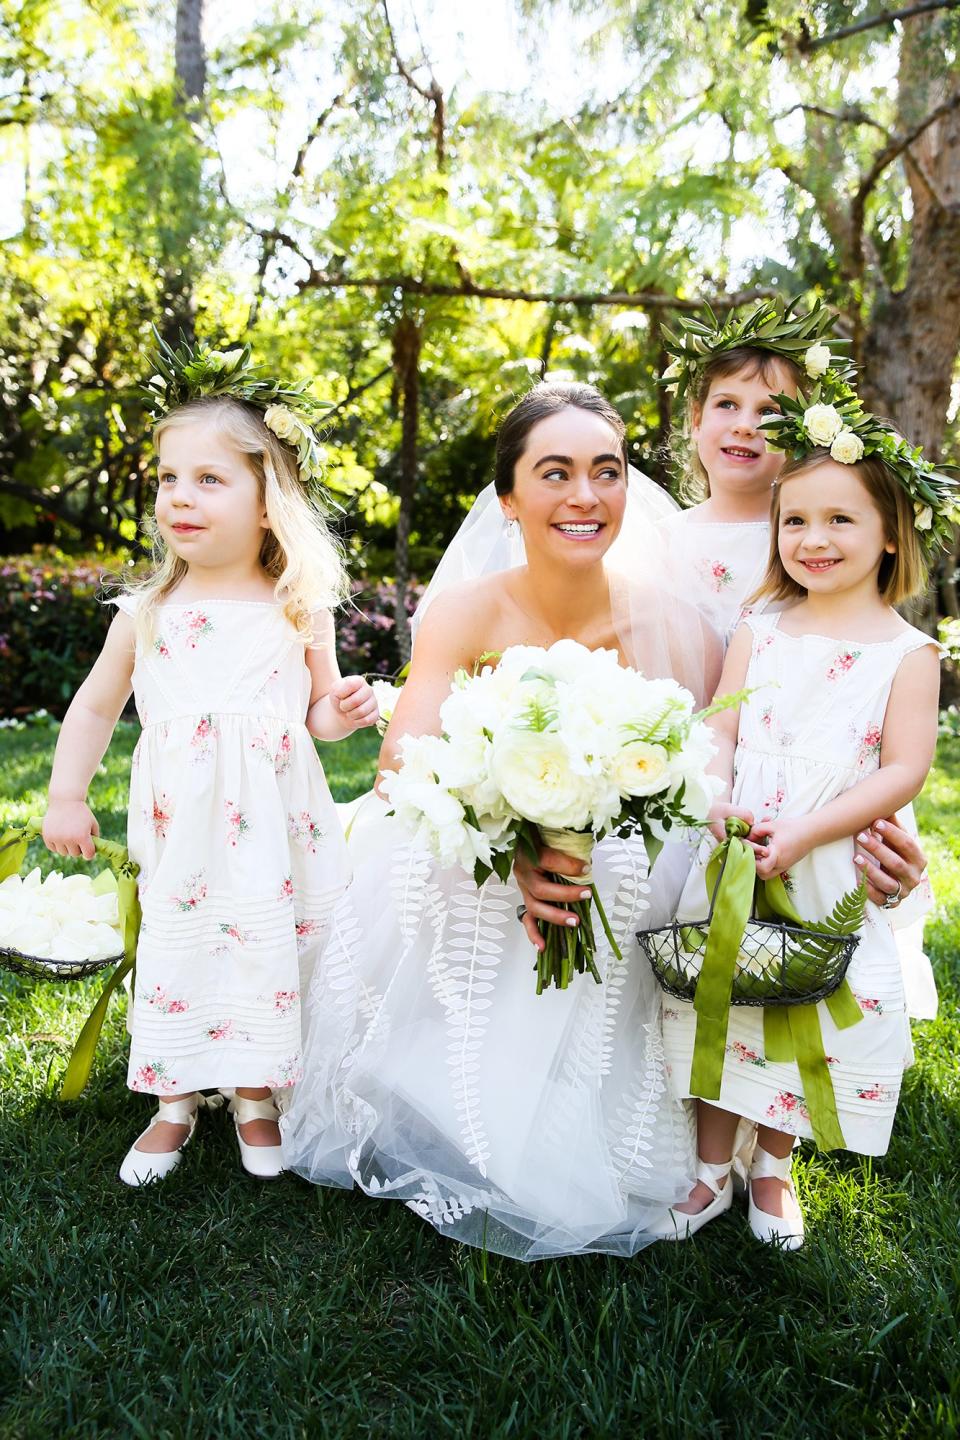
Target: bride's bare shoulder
(464,617)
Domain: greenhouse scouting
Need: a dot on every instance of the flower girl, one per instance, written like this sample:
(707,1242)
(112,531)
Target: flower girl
(726,376)
(228,646)
(840,727)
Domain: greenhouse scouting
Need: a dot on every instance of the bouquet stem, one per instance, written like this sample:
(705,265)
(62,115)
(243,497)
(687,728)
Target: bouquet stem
(570,950)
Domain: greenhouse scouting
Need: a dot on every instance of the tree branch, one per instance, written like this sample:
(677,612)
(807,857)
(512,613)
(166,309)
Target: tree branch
(849,115)
(467,289)
(885,157)
(434,93)
(806,43)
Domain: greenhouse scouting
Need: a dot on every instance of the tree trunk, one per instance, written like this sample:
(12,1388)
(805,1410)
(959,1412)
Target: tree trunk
(407,338)
(913,336)
(190,73)
(189,57)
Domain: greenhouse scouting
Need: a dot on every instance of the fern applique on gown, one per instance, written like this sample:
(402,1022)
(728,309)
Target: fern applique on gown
(434,1074)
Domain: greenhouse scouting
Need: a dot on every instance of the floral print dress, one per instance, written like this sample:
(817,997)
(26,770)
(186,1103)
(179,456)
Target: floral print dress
(818,734)
(240,851)
(722,564)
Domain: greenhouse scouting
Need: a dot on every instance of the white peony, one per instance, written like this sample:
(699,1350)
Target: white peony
(847,448)
(816,362)
(822,423)
(536,779)
(386,696)
(923,516)
(283,423)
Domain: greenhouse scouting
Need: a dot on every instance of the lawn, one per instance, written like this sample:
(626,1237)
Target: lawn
(217,1307)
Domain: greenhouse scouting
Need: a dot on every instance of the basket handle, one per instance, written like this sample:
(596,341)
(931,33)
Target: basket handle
(14,842)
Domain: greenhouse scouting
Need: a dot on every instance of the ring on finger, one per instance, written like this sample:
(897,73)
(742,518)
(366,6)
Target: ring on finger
(521,911)
(892,901)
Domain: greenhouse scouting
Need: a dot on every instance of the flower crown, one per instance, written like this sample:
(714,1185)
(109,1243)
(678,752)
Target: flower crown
(834,418)
(771,326)
(192,372)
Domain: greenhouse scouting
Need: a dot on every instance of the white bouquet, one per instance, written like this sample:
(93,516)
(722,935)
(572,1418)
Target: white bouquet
(560,746)
(62,917)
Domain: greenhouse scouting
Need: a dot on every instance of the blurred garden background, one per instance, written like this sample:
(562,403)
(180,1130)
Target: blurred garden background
(423,207)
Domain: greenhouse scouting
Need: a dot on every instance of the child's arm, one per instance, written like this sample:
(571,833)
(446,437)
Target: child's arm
(909,741)
(69,824)
(725,726)
(338,705)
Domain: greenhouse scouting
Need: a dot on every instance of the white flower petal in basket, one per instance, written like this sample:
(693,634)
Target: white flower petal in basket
(32,936)
(34,880)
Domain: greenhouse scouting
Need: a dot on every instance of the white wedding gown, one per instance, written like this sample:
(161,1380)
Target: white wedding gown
(433,1073)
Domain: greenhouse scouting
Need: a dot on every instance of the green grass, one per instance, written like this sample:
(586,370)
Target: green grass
(216,1307)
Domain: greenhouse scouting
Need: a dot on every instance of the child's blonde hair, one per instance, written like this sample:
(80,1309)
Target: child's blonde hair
(298,551)
(901,576)
(746,360)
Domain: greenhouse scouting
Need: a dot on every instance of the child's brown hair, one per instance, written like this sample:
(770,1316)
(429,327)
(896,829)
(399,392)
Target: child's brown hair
(902,575)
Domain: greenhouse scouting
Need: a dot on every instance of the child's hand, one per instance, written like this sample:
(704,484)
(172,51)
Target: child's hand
(721,812)
(69,827)
(354,701)
(779,844)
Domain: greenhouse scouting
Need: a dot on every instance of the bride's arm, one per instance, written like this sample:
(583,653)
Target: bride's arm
(446,643)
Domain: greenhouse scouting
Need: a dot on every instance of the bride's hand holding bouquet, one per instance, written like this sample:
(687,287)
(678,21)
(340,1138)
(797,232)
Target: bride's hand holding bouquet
(558,747)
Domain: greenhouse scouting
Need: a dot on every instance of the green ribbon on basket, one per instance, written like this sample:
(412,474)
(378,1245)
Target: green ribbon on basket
(13,851)
(790,1033)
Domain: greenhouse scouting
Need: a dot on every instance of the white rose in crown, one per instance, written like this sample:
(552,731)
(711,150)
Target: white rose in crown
(822,423)
(672,374)
(283,423)
(816,362)
(924,516)
(847,448)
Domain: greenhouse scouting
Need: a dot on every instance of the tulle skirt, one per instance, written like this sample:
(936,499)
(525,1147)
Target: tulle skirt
(434,1074)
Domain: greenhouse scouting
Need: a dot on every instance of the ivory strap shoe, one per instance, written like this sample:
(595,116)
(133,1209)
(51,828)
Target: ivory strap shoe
(680,1226)
(263,1161)
(139,1166)
(773,1229)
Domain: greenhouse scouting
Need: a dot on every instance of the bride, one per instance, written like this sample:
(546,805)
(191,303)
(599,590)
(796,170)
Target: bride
(433,1073)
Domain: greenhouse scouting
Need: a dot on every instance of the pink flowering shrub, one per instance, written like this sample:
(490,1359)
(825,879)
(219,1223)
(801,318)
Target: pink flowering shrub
(366,628)
(51,626)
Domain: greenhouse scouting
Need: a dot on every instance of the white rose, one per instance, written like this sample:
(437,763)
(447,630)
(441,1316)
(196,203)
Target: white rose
(817,360)
(847,448)
(537,781)
(641,768)
(822,423)
(924,516)
(672,374)
(282,422)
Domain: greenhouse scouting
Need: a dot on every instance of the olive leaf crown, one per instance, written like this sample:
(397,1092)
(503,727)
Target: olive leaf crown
(197,371)
(833,417)
(774,326)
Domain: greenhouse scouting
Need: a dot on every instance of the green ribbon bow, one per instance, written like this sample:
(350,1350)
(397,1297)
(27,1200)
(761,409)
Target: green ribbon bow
(790,1033)
(13,851)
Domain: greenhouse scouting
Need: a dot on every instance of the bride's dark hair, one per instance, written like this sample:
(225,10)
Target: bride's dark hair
(536,405)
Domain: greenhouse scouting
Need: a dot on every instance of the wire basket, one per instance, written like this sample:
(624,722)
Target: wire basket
(783,965)
(42,967)
(778,963)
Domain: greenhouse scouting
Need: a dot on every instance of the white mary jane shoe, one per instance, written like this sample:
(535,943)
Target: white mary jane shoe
(139,1166)
(265,1162)
(773,1229)
(678,1225)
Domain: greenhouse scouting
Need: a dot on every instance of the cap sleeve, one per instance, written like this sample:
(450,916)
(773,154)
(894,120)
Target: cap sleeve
(125,603)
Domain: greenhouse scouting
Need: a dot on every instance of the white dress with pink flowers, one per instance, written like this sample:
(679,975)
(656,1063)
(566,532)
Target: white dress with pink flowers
(240,851)
(722,564)
(812,730)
